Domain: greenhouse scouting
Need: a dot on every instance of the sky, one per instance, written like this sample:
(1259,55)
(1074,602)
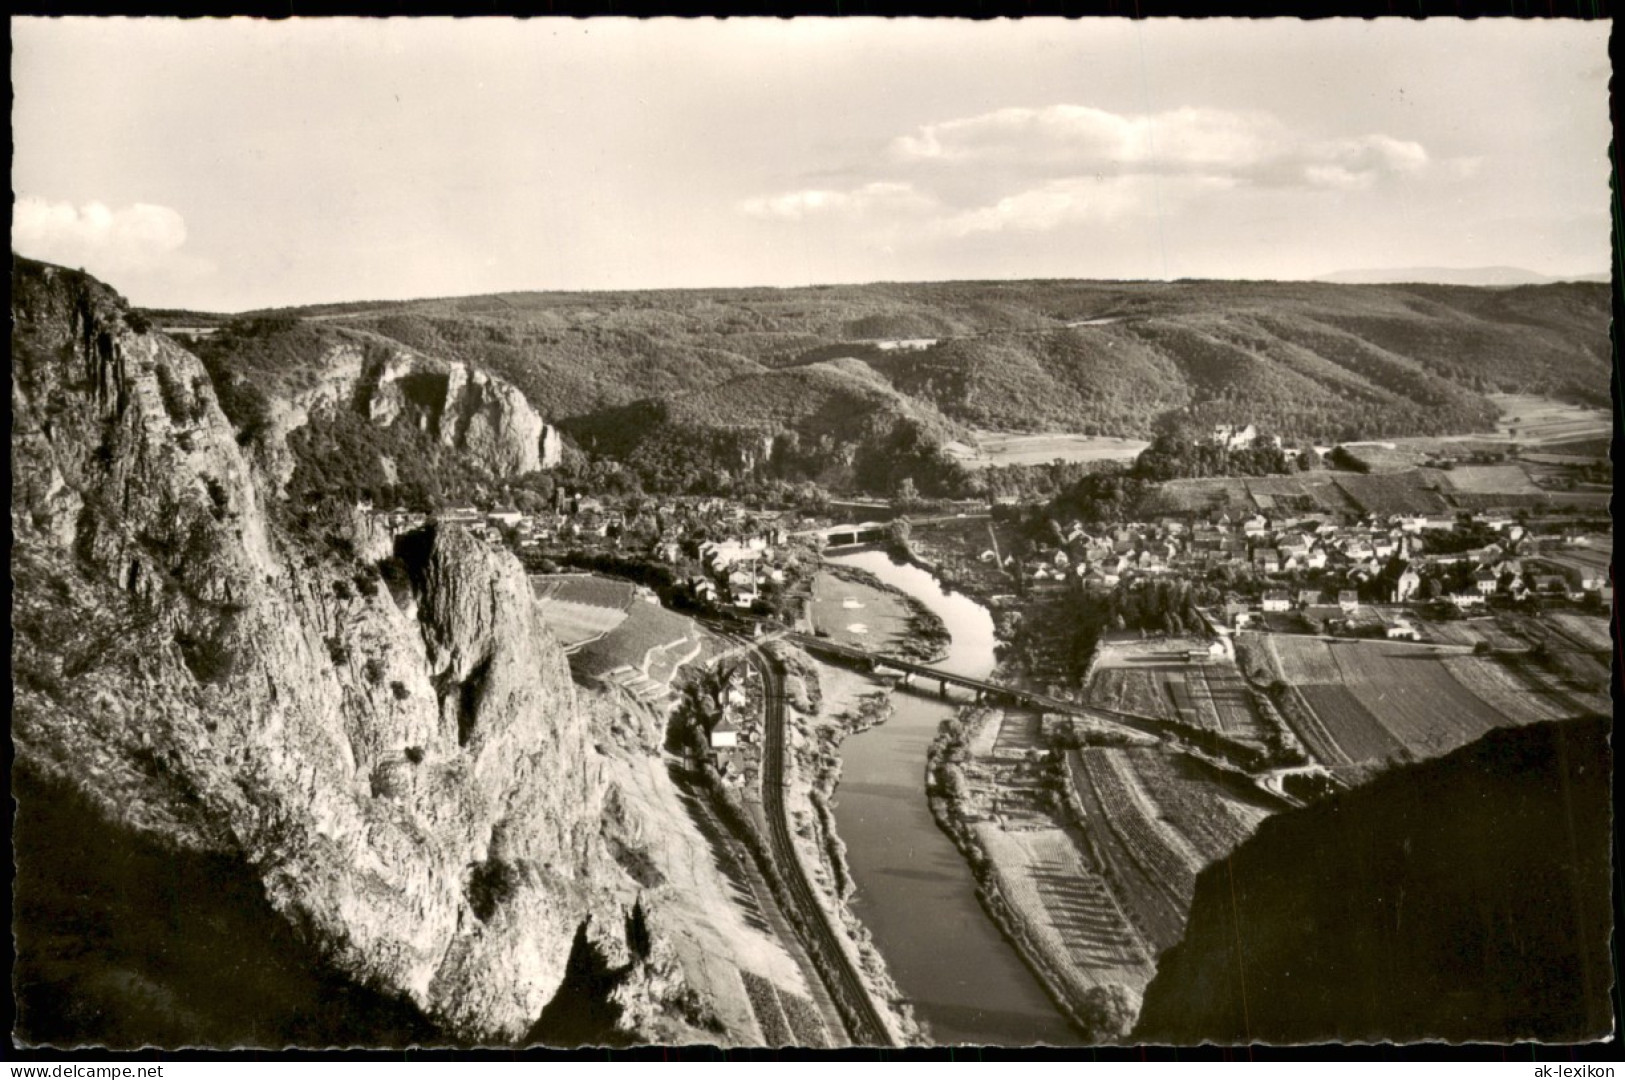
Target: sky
(234,164)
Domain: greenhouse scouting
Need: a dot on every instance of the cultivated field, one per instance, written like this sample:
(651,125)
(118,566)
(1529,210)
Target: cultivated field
(1131,690)
(1309,493)
(1232,702)
(1413,492)
(651,640)
(985,448)
(1155,819)
(1066,907)
(1469,632)
(1491,480)
(1588,631)
(1378,701)
(1538,421)
(1211,696)
(581,607)
(1503,690)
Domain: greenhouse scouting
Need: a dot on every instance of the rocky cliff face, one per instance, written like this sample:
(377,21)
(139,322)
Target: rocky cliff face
(386,733)
(464,408)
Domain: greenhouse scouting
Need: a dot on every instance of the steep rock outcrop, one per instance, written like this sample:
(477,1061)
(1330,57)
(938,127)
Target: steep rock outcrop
(1463,899)
(403,768)
(465,408)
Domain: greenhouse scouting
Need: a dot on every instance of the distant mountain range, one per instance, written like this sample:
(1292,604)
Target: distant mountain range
(1453,275)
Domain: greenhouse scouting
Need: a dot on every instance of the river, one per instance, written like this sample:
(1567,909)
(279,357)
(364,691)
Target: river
(915,892)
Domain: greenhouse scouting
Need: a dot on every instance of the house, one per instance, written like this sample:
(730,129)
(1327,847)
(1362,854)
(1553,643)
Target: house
(1254,525)
(1467,599)
(1306,597)
(1348,600)
(507,516)
(1233,438)
(1267,560)
(1405,585)
(1400,630)
(1484,581)
(724,733)
(1277,600)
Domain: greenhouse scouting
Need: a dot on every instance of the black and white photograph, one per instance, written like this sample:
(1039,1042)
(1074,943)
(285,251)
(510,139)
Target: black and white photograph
(797,534)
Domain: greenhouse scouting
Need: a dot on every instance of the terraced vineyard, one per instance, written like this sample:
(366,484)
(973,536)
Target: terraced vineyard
(1155,818)
(1501,688)
(1146,903)
(1067,905)
(1150,878)
(1191,798)
(786,1019)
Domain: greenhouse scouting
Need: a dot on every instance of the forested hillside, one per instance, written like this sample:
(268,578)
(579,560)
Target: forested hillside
(805,383)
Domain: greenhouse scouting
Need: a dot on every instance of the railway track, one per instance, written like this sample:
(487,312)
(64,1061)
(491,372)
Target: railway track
(845,987)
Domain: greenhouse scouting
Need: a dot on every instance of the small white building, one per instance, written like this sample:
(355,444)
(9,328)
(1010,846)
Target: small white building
(724,734)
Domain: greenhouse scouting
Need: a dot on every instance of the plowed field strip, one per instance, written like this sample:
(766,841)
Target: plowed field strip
(1414,697)
(1314,732)
(1359,735)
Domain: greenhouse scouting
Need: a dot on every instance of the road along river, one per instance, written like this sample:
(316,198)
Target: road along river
(914,890)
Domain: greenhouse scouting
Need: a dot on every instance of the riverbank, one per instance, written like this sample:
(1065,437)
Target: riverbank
(915,890)
(1003,802)
(819,718)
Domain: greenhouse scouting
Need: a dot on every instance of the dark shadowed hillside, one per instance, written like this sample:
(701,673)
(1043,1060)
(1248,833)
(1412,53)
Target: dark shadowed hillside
(1465,899)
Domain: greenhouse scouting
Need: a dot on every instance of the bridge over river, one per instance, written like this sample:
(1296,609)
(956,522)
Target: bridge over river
(1217,752)
(984,690)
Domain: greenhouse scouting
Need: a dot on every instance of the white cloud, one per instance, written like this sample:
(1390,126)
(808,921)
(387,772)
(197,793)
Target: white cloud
(141,240)
(1077,139)
(886,196)
(1085,201)
(1027,170)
